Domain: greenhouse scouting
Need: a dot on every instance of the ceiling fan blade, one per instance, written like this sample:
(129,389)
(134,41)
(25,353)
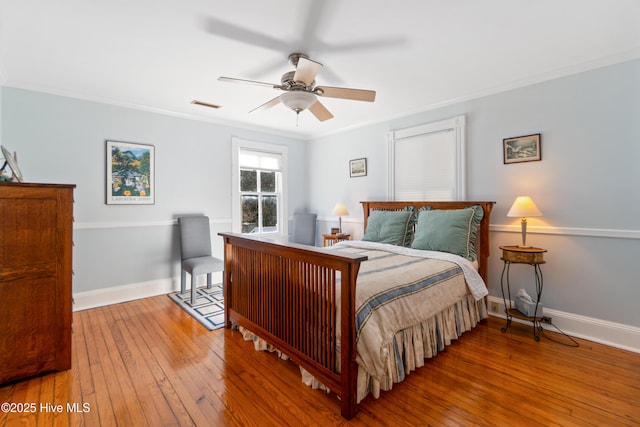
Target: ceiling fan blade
(251,82)
(267,105)
(377,44)
(234,32)
(265,68)
(315,15)
(346,93)
(320,111)
(306,71)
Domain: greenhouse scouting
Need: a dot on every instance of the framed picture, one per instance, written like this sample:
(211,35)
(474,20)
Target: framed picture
(358,167)
(522,149)
(130,174)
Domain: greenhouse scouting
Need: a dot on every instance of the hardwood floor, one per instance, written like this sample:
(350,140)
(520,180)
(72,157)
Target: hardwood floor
(148,363)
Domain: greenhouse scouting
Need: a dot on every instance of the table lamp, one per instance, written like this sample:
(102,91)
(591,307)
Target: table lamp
(340,210)
(524,207)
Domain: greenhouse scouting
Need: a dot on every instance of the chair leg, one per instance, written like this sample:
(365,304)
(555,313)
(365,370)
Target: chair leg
(193,288)
(183,282)
(209,284)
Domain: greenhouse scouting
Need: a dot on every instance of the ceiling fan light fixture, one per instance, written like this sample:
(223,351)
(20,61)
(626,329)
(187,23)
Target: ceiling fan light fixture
(298,100)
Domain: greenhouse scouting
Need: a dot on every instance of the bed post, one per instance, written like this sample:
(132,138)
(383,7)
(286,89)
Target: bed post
(485,250)
(226,279)
(349,371)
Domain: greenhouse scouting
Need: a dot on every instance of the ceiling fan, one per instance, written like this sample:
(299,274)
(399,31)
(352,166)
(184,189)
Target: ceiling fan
(301,92)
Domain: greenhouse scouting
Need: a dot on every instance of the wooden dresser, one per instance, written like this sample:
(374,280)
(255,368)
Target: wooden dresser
(36,226)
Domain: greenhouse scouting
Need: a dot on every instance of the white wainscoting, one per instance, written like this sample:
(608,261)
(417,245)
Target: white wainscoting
(569,231)
(130,292)
(135,224)
(123,293)
(609,333)
(355,226)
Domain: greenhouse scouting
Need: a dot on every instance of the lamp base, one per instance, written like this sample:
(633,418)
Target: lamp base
(523,226)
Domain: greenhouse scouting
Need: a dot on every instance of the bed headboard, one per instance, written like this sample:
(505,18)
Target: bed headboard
(482,243)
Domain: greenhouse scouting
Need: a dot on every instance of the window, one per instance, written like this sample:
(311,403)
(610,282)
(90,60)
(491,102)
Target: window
(427,162)
(259,204)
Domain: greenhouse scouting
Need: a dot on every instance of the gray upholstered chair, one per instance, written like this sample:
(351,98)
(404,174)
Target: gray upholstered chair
(304,228)
(195,248)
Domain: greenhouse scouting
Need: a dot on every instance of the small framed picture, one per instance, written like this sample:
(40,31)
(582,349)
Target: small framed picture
(358,167)
(522,149)
(130,174)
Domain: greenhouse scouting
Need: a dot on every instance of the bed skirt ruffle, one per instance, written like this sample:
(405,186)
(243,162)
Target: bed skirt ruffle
(409,347)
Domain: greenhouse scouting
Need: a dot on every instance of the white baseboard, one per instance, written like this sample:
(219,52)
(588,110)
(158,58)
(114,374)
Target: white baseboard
(124,293)
(612,334)
(133,291)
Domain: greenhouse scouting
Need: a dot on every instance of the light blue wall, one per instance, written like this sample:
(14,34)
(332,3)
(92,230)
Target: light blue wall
(329,170)
(586,183)
(62,140)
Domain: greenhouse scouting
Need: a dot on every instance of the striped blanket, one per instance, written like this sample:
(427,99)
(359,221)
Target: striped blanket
(398,289)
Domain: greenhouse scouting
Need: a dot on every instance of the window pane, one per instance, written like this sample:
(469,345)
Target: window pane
(268,182)
(270,213)
(259,160)
(249,214)
(248,180)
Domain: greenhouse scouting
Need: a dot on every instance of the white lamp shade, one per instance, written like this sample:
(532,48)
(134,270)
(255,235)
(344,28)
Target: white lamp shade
(523,207)
(298,100)
(340,210)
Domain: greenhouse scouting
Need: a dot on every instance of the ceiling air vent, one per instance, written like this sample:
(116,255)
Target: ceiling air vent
(205,104)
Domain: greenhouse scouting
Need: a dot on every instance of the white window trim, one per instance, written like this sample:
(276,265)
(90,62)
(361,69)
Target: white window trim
(456,125)
(236,145)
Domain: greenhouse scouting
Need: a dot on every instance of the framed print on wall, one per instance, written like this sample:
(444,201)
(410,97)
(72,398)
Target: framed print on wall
(522,149)
(358,167)
(130,174)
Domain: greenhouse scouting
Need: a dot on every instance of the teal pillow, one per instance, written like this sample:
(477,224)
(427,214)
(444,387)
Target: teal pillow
(454,231)
(392,227)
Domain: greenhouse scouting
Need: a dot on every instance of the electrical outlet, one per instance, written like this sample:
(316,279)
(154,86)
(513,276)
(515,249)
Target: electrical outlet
(545,319)
(494,307)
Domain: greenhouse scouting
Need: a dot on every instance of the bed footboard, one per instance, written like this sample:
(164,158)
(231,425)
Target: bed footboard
(289,295)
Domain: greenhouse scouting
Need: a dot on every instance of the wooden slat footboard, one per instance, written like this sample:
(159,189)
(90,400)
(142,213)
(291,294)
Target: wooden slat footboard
(288,295)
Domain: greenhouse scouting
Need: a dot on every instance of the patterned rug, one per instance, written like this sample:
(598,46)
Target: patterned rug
(208,308)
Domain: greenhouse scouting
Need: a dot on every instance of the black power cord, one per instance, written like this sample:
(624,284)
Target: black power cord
(572,343)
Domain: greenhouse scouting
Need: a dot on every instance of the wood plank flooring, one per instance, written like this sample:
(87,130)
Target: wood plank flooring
(148,363)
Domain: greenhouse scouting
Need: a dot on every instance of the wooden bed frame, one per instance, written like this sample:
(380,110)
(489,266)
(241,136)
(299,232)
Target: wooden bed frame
(286,294)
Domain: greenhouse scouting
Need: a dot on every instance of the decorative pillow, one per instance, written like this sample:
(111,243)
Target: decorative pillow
(454,231)
(393,227)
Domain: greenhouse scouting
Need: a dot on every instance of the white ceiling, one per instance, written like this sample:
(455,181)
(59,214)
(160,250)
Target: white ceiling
(159,55)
